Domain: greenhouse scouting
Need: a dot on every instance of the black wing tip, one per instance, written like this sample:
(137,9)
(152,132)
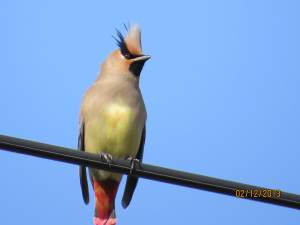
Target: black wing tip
(84,185)
(131,182)
(125,203)
(86,200)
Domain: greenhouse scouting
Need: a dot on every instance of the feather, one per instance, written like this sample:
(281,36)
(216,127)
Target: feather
(132,43)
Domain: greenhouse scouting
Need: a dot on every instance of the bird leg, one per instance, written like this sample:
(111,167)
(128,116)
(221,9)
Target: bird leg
(132,160)
(108,158)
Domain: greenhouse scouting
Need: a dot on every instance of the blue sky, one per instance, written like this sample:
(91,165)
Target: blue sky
(221,90)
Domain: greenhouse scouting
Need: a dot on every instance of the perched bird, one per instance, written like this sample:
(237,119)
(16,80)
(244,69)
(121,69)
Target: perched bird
(112,123)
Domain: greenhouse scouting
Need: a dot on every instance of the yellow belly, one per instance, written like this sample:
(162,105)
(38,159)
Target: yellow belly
(115,131)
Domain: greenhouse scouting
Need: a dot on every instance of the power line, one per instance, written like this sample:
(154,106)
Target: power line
(143,170)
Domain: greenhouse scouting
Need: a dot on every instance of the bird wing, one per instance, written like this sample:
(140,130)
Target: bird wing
(82,169)
(131,180)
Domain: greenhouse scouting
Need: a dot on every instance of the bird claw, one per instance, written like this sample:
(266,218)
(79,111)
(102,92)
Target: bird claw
(108,158)
(132,160)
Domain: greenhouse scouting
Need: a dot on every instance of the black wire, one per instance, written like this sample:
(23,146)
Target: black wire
(255,193)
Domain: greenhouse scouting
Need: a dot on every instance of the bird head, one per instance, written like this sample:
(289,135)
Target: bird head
(129,59)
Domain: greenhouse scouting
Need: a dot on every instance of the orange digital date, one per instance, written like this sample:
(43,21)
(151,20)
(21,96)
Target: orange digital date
(257,193)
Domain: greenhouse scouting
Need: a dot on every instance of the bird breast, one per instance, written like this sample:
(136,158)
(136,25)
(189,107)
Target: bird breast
(115,130)
(118,125)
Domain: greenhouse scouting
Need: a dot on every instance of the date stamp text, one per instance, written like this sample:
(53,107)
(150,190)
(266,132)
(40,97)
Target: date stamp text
(257,193)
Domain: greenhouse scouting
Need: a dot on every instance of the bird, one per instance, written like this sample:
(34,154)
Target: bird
(112,123)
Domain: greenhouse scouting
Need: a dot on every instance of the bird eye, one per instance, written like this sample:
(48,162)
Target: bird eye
(126,55)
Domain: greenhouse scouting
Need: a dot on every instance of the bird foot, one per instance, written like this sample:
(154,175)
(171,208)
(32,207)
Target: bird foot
(108,158)
(132,160)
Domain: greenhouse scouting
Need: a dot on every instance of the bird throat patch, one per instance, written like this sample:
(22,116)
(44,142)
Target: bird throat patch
(136,67)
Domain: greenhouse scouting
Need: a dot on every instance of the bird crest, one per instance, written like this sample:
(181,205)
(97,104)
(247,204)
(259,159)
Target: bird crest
(132,43)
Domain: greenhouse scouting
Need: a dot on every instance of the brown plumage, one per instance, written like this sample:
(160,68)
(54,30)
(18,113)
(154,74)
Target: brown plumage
(112,120)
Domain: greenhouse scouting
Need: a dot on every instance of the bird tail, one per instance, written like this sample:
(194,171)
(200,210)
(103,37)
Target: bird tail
(105,192)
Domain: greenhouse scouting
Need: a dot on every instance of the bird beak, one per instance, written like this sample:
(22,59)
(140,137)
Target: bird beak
(142,58)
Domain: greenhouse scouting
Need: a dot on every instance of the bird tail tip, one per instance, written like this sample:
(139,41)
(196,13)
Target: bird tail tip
(98,221)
